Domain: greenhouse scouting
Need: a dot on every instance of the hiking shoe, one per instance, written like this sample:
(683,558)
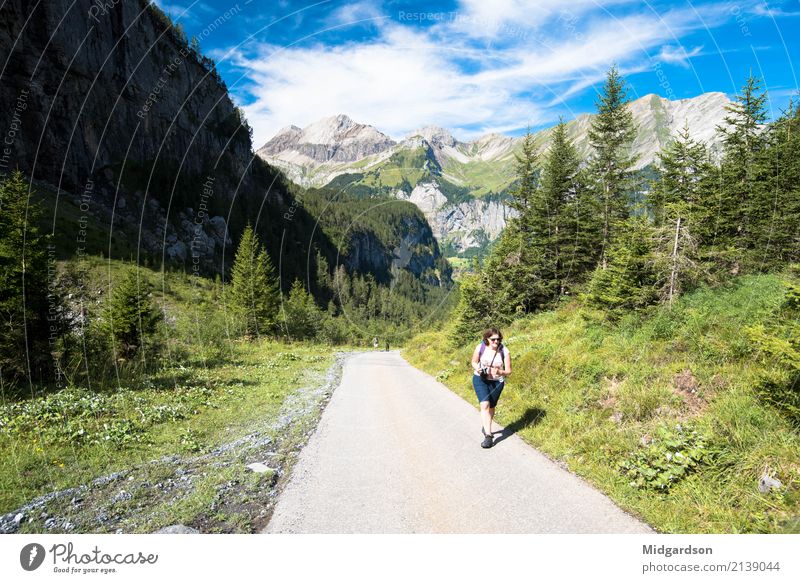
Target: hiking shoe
(488,441)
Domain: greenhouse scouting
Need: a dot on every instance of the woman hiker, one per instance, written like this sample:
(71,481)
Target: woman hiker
(492,364)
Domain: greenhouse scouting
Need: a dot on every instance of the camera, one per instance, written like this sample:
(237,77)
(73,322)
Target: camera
(484,373)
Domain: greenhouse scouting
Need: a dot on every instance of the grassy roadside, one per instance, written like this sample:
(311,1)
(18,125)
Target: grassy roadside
(72,437)
(662,412)
(135,445)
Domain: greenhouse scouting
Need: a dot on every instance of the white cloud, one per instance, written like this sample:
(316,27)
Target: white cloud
(356,12)
(762,9)
(501,19)
(396,84)
(677,55)
(411,76)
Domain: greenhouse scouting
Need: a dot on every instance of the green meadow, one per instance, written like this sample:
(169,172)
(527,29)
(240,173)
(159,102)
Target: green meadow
(676,412)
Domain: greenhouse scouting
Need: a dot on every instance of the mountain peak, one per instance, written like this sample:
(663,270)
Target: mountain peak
(336,139)
(290,129)
(330,146)
(329,130)
(434,135)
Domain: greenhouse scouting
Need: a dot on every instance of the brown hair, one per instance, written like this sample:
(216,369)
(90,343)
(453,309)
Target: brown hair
(489,332)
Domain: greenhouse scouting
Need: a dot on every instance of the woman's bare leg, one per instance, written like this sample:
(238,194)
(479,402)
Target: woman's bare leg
(486,417)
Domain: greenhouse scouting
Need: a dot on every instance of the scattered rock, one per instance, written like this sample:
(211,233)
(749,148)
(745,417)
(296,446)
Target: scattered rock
(767,483)
(121,496)
(93,506)
(102,481)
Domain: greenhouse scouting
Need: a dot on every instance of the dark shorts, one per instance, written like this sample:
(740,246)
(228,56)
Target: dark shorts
(487,390)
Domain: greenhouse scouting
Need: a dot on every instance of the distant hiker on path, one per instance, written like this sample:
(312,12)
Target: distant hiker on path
(491,362)
(375,343)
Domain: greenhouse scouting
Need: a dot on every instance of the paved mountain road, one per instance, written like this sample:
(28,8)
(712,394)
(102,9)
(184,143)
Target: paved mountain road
(397,452)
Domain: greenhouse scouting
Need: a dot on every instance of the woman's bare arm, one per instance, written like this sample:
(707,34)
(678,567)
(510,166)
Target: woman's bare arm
(507,361)
(476,358)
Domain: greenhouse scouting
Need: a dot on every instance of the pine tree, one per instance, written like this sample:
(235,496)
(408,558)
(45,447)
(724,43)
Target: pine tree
(584,210)
(474,264)
(24,303)
(676,265)
(323,277)
(611,134)
(685,174)
(511,274)
(130,319)
(564,258)
(527,179)
(679,201)
(628,281)
(516,267)
(780,239)
(302,316)
(743,208)
(342,287)
(473,312)
(254,287)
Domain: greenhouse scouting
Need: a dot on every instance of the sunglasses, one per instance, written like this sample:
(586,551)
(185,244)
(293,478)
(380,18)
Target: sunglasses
(494,340)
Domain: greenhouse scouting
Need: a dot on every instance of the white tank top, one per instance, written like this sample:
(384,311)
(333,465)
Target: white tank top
(486,360)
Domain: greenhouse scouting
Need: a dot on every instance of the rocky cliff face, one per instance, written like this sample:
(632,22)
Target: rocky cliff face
(463,225)
(133,137)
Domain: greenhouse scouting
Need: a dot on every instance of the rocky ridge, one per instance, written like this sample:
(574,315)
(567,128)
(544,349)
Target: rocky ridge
(479,167)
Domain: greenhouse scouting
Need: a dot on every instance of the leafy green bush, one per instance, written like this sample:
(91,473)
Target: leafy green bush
(672,455)
(205,334)
(779,342)
(782,391)
(81,417)
(119,432)
(190,440)
(443,375)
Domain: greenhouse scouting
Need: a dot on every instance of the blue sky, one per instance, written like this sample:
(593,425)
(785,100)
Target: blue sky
(480,66)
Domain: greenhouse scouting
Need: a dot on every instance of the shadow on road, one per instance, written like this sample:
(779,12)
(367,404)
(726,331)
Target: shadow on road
(531,417)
